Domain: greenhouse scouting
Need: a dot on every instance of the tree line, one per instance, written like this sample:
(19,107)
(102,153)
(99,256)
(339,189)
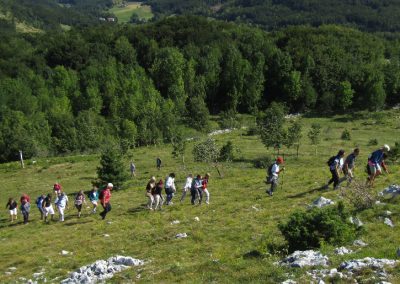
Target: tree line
(66,92)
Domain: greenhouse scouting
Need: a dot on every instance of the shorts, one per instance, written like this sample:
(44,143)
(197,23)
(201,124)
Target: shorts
(94,202)
(78,206)
(49,210)
(13,211)
(374,168)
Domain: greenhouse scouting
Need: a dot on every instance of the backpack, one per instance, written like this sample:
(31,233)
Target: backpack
(39,201)
(269,171)
(331,161)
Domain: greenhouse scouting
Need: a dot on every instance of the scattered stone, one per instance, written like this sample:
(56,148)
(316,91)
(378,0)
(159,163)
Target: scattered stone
(109,222)
(387,213)
(175,222)
(255,208)
(22,279)
(106,235)
(37,274)
(289,281)
(8,273)
(305,258)
(181,236)
(388,222)
(322,202)
(359,243)
(30,281)
(101,270)
(12,268)
(342,251)
(368,262)
(379,203)
(221,131)
(65,252)
(356,221)
(390,192)
(197,219)
(292,115)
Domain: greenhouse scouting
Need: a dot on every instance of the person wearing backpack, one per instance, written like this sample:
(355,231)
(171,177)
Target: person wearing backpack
(170,188)
(79,201)
(12,207)
(48,208)
(273,175)
(157,195)
(25,208)
(375,161)
(335,167)
(187,186)
(62,203)
(349,165)
(39,202)
(94,198)
(105,196)
(196,188)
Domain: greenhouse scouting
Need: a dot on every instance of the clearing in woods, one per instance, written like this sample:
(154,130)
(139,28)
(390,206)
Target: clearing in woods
(125,11)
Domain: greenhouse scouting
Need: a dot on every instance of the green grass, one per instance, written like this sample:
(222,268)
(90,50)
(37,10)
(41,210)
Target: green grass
(229,227)
(125,13)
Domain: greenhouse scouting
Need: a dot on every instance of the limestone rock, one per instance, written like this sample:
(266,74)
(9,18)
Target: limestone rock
(356,221)
(175,222)
(368,262)
(322,202)
(388,222)
(305,258)
(181,236)
(342,251)
(390,192)
(359,243)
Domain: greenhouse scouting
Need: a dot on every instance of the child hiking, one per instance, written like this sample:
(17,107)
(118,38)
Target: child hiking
(79,201)
(187,186)
(94,198)
(273,175)
(105,196)
(12,207)
(375,162)
(334,167)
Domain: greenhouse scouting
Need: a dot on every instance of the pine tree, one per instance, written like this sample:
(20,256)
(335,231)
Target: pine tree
(112,168)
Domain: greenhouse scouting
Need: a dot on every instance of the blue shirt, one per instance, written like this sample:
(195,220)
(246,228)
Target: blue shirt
(376,157)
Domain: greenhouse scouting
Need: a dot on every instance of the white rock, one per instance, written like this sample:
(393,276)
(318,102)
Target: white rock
(342,251)
(356,221)
(322,202)
(379,203)
(388,222)
(106,235)
(320,281)
(109,222)
(368,262)
(221,131)
(255,208)
(8,273)
(12,268)
(175,222)
(181,236)
(37,274)
(390,192)
(65,252)
(359,243)
(289,281)
(197,219)
(387,213)
(305,258)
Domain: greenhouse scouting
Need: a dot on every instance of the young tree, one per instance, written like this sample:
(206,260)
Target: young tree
(345,95)
(112,168)
(314,135)
(208,152)
(294,136)
(178,147)
(227,152)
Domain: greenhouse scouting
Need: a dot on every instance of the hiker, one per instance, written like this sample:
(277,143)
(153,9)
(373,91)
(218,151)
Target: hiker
(334,167)
(133,169)
(170,188)
(157,195)
(273,175)
(187,186)
(62,203)
(375,162)
(57,188)
(12,207)
(349,165)
(48,207)
(39,202)
(105,196)
(195,189)
(204,184)
(79,201)
(149,189)
(94,198)
(25,208)
(25,196)
(158,163)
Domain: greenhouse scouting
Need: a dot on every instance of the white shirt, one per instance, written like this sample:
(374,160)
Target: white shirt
(170,183)
(275,170)
(61,201)
(188,183)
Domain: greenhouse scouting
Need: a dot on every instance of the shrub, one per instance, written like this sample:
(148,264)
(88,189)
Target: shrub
(112,168)
(359,195)
(308,230)
(262,163)
(346,135)
(227,152)
(373,142)
(228,120)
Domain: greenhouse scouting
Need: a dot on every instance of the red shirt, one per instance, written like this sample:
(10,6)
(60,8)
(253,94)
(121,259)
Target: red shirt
(105,196)
(205,183)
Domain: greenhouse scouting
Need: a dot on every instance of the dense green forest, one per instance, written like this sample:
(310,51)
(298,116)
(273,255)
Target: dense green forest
(368,15)
(64,92)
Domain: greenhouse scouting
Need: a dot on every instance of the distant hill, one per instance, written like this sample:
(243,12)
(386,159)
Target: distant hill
(367,15)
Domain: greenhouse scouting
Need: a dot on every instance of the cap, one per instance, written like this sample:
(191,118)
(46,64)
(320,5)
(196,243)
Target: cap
(110,184)
(386,147)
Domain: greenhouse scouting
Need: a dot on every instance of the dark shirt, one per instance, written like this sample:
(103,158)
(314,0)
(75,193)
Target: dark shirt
(12,205)
(350,160)
(47,202)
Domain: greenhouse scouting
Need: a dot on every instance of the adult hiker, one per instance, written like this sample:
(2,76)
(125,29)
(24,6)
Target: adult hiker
(79,201)
(158,163)
(62,203)
(187,186)
(25,207)
(196,189)
(170,188)
(374,164)
(133,169)
(12,207)
(274,171)
(57,188)
(204,186)
(349,165)
(149,189)
(335,167)
(157,195)
(48,207)
(39,202)
(94,198)
(105,196)
(25,196)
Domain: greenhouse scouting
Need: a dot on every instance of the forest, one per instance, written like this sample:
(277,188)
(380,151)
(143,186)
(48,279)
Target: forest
(69,92)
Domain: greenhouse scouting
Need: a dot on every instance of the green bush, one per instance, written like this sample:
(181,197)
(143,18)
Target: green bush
(346,135)
(373,142)
(308,230)
(262,163)
(227,152)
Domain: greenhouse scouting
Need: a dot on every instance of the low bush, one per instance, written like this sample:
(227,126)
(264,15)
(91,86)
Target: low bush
(262,163)
(373,142)
(310,229)
(346,135)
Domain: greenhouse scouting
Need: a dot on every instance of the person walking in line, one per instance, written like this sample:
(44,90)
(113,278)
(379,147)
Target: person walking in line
(94,198)
(57,188)
(196,189)
(48,207)
(158,163)
(105,196)
(12,208)
(39,202)
(187,186)
(149,190)
(375,162)
(170,188)
(204,184)
(349,165)
(274,171)
(26,197)
(133,169)
(157,195)
(334,168)
(25,208)
(79,201)
(62,203)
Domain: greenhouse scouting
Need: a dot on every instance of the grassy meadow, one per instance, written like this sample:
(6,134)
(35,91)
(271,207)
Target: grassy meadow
(124,13)
(240,217)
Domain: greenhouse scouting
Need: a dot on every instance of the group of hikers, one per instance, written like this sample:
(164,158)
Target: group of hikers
(197,186)
(45,205)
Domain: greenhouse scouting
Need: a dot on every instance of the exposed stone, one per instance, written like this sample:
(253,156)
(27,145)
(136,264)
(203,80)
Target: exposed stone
(356,221)
(305,258)
(181,236)
(342,251)
(322,202)
(388,222)
(8,273)
(197,219)
(368,262)
(359,243)
(390,192)
(37,274)
(175,222)
(289,281)
(106,235)
(12,268)
(255,208)
(221,131)
(387,213)
(65,252)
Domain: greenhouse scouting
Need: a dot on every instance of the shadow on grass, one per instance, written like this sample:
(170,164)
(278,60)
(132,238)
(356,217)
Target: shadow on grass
(302,194)
(77,222)
(138,209)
